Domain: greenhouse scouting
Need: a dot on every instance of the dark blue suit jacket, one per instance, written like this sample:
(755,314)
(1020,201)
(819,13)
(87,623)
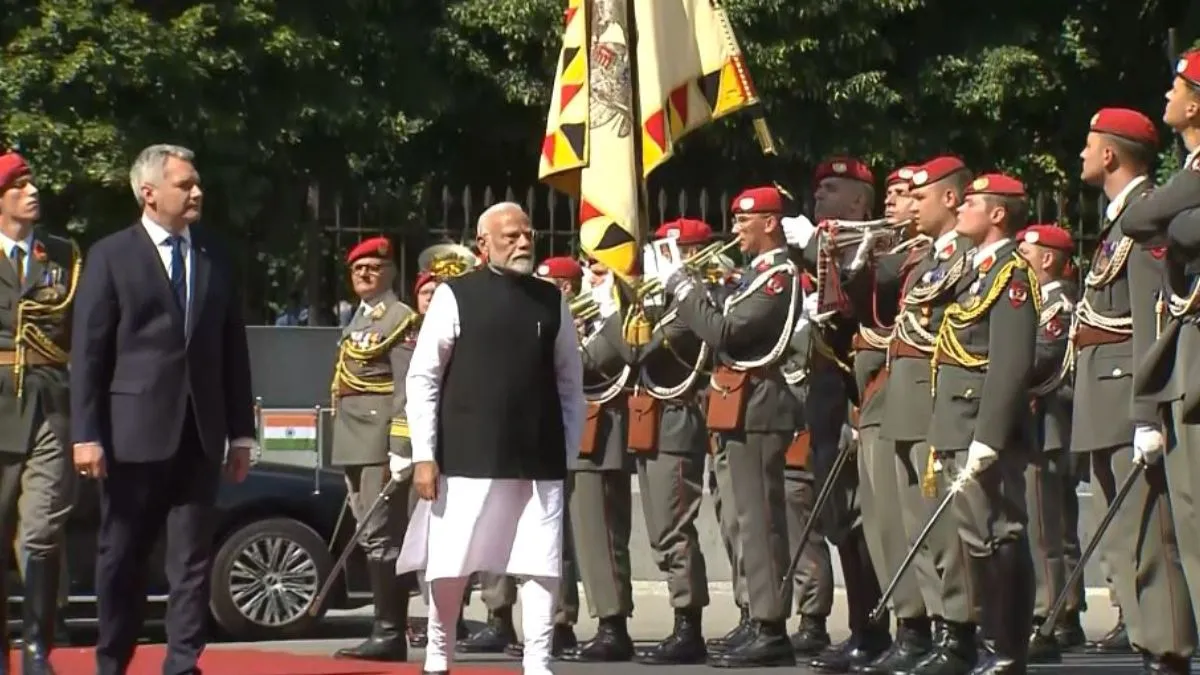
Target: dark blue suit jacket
(135,366)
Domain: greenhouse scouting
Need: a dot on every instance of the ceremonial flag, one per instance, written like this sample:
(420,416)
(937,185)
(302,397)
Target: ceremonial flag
(289,430)
(689,71)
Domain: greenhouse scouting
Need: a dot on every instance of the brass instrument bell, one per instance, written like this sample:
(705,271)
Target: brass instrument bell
(447,260)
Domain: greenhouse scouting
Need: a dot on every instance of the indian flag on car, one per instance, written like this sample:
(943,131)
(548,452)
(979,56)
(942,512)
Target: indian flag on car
(289,430)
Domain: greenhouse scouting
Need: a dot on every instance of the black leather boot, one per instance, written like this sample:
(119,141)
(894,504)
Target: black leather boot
(1012,563)
(684,646)
(956,654)
(811,636)
(562,641)
(914,641)
(1167,665)
(611,644)
(1069,632)
(387,641)
(38,609)
(492,638)
(1115,641)
(868,640)
(1043,648)
(734,637)
(767,646)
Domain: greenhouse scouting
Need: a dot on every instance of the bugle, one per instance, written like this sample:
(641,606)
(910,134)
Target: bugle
(694,264)
(848,234)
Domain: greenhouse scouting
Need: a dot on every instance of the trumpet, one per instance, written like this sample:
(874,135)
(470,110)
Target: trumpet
(850,233)
(447,260)
(713,254)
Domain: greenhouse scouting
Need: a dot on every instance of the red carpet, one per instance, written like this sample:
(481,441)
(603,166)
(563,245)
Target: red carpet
(148,661)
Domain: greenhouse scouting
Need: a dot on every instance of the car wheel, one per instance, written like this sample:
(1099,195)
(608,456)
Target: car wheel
(265,577)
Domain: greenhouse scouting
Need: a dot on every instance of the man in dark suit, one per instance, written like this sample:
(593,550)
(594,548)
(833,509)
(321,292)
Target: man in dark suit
(160,387)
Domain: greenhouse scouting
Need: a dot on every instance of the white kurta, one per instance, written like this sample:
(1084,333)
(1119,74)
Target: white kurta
(503,526)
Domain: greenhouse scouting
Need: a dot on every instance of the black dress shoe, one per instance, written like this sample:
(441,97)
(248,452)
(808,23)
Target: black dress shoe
(611,644)
(1167,665)
(1044,648)
(493,638)
(956,654)
(1069,633)
(914,641)
(859,650)
(766,646)
(811,637)
(684,646)
(733,637)
(387,641)
(563,640)
(1116,641)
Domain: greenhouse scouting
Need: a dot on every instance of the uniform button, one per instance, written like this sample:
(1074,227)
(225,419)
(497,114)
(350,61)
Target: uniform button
(374,412)
(969,392)
(1116,372)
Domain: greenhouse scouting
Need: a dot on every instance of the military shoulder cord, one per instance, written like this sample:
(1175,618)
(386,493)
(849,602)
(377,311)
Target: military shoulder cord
(696,369)
(28,335)
(1060,375)
(785,336)
(342,374)
(908,329)
(958,317)
(880,336)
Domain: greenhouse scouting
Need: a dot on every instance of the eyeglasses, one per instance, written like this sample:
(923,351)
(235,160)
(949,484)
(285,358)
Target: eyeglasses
(368,268)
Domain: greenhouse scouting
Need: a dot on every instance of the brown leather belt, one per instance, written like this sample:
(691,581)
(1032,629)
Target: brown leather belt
(8,357)
(860,344)
(1090,336)
(899,349)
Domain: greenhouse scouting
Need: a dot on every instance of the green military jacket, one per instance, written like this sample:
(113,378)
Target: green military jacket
(1052,388)
(35,338)
(368,384)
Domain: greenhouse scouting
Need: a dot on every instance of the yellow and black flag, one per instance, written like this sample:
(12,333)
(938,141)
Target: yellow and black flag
(689,71)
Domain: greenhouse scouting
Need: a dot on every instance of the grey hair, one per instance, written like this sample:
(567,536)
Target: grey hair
(493,211)
(151,163)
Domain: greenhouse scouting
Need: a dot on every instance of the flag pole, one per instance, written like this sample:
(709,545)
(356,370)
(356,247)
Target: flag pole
(635,111)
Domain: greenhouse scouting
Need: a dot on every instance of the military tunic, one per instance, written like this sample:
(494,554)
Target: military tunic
(750,337)
(369,420)
(1115,325)
(666,402)
(600,499)
(927,280)
(1166,392)
(1048,476)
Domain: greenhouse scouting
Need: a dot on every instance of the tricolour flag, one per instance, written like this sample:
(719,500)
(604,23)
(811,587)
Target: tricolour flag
(289,430)
(689,72)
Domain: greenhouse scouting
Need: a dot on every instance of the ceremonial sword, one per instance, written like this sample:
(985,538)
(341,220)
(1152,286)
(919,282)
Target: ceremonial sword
(818,506)
(384,495)
(1047,627)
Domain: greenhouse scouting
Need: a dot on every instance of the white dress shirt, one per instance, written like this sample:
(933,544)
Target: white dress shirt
(26,245)
(1117,204)
(159,235)
(435,344)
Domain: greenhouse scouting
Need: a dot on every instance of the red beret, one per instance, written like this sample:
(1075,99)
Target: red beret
(422,279)
(758,200)
(902,175)
(375,247)
(685,231)
(996,184)
(1049,235)
(562,267)
(1189,67)
(12,167)
(844,167)
(936,169)
(1125,123)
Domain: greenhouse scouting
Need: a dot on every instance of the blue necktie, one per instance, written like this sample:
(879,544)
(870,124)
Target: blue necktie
(178,272)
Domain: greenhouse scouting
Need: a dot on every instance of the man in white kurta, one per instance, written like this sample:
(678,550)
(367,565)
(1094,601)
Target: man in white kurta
(494,491)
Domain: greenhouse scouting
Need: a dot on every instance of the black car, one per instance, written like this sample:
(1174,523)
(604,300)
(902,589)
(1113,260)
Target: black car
(271,555)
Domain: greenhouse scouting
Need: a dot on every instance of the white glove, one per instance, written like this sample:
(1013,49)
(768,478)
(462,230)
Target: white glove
(848,438)
(603,296)
(979,457)
(864,250)
(797,231)
(1148,445)
(665,271)
(400,467)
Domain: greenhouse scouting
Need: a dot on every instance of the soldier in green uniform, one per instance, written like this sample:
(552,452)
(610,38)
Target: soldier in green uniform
(876,306)
(983,362)
(844,190)
(1047,248)
(1165,384)
(371,439)
(668,437)
(927,275)
(1114,325)
(813,580)
(600,501)
(752,411)
(38,280)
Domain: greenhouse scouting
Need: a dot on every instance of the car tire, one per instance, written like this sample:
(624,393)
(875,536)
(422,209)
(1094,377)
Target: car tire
(251,563)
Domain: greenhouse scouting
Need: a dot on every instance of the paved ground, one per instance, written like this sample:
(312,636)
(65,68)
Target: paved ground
(652,620)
